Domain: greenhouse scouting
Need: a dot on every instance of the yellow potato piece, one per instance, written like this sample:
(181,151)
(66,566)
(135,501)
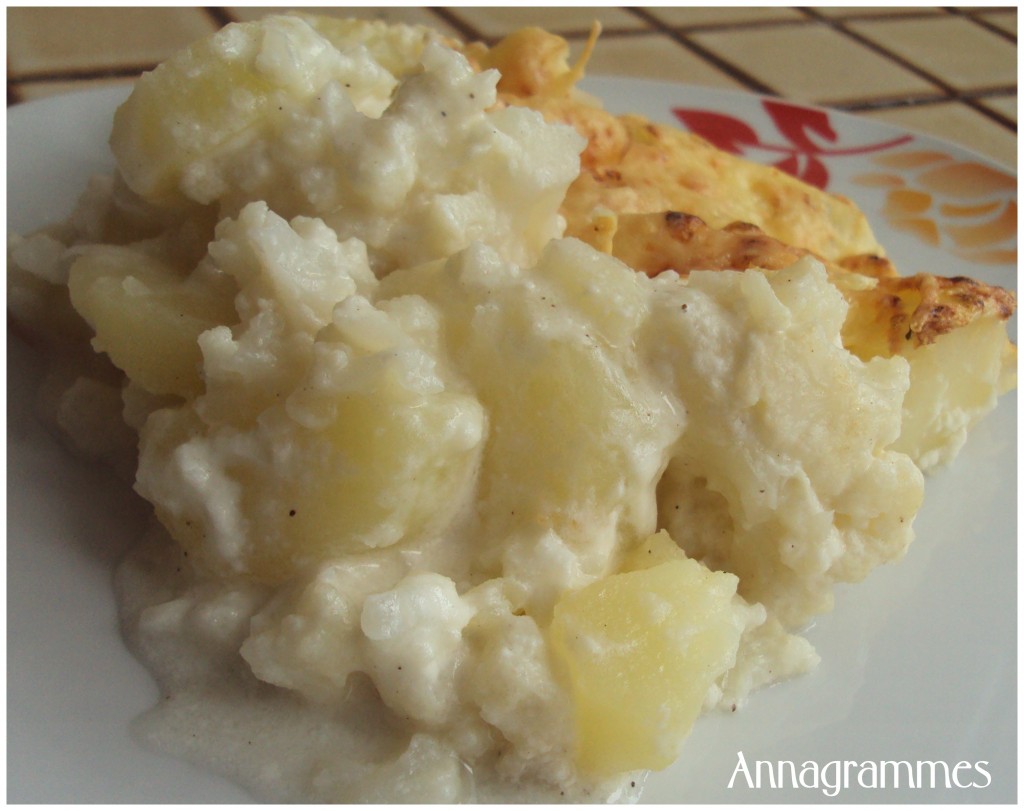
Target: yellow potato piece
(227,89)
(147,317)
(391,472)
(387,470)
(658,548)
(191,105)
(640,650)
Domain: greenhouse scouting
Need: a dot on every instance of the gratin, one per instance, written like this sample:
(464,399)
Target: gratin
(482,460)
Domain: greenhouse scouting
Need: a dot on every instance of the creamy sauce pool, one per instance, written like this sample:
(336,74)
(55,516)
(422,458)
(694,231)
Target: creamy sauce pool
(216,714)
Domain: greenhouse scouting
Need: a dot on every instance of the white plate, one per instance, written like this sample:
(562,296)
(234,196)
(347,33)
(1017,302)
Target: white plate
(918,663)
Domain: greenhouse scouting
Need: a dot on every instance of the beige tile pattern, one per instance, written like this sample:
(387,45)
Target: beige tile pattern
(1003,20)
(813,64)
(496,21)
(49,40)
(954,49)
(805,53)
(1005,106)
(655,56)
(687,16)
(841,12)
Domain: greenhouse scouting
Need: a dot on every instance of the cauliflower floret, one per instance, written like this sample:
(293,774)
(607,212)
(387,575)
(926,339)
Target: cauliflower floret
(578,431)
(210,100)
(307,638)
(328,425)
(508,678)
(785,475)
(303,115)
(413,642)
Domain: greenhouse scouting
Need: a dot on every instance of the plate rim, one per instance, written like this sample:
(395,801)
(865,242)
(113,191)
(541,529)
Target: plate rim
(742,96)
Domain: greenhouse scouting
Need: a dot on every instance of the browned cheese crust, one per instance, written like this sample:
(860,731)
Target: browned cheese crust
(888,312)
(662,199)
(631,165)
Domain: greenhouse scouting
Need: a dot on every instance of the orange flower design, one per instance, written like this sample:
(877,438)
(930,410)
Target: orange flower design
(966,207)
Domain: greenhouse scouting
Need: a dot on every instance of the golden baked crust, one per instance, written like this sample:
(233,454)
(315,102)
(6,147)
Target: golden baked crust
(659,198)
(888,312)
(632,165)
(918,309)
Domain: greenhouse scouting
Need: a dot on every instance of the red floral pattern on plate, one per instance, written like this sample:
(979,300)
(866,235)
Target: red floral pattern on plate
(807,132)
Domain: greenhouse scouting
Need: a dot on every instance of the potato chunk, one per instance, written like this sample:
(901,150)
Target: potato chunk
(388,468)
(147,316)
(267,500)
(225,91)
(954,382)
(641,649)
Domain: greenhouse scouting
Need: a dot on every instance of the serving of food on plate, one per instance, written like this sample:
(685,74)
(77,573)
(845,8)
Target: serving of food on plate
(491,437)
